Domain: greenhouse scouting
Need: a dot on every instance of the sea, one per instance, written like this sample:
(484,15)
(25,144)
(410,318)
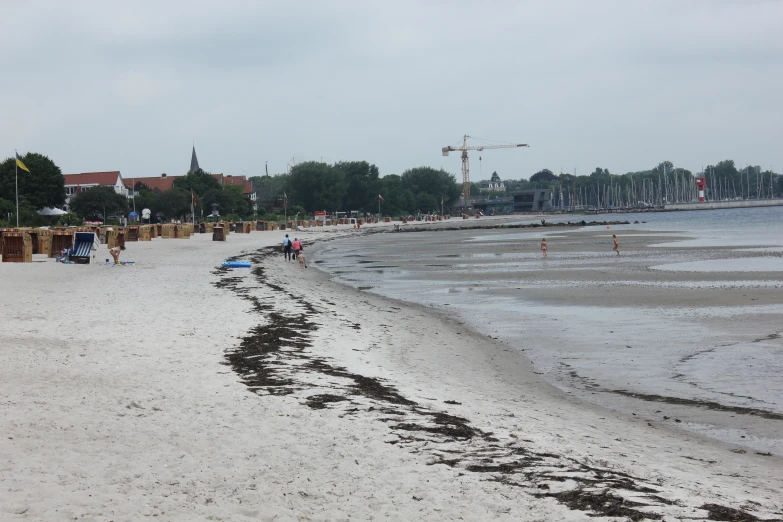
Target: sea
(700,320)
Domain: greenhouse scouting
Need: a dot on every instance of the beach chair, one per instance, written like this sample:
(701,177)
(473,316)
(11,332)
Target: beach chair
(82,248)
(61,240)
(17,247)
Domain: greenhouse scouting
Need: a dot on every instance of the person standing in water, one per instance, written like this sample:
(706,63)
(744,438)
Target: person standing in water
(616,244)
(543,247)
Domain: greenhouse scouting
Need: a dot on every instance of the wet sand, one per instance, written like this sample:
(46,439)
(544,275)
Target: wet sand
(697,350)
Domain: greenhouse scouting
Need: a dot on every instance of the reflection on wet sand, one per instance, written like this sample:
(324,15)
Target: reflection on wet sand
(612,330)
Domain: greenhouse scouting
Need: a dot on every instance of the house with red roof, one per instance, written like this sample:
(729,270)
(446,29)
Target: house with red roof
(162,182)
(75,183)
(165,182)
(247,185)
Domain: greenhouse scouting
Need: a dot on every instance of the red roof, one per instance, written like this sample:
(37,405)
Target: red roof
(239,180)
(161,183)
(234,180)
(157,182)
(92,178)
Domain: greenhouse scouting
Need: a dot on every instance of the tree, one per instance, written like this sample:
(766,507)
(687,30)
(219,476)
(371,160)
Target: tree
(270,188)
(394,200)
(229,200)
(495,178)
(43,186)
(199,182)
(543,176)
(172,203)
(361,185)
(427,203)
(316,186)
(438,183)
(98,202)
(145,198)
(667,167)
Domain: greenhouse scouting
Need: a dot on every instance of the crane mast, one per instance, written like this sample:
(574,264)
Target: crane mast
(466,164)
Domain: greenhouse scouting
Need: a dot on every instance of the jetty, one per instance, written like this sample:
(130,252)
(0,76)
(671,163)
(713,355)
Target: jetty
(713,205)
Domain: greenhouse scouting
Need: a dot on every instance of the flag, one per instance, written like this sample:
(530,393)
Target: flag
(381,197)
(20,164)
(193,197)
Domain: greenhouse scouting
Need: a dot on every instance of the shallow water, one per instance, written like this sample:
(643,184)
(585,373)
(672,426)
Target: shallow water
(693,318)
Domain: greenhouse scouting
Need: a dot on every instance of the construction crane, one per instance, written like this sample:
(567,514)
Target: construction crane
(466,166)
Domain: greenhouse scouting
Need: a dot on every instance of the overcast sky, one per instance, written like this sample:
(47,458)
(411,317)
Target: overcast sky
(618,84)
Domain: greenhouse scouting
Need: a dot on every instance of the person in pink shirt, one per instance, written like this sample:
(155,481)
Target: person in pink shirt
(297,245)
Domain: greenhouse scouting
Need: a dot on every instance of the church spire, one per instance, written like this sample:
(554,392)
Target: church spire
(193,161)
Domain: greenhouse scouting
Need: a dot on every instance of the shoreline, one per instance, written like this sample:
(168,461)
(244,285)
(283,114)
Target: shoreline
(389,367)
(146,418)
(648,340)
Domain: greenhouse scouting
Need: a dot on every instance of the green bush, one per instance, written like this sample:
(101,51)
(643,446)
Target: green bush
(69,219)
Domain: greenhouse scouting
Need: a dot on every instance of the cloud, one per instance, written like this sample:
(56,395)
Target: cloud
(619,84)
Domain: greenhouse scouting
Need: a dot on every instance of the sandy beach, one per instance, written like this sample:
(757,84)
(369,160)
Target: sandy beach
(179,390)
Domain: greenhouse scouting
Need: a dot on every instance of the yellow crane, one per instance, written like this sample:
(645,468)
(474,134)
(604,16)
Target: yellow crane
(466,166)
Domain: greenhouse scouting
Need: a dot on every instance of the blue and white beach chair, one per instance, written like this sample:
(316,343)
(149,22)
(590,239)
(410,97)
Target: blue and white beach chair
(83,245)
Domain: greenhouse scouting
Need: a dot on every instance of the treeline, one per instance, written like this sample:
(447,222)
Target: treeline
(356,186)
(43,186)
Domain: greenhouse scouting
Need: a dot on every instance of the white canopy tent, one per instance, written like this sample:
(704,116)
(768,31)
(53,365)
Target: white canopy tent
(46,211)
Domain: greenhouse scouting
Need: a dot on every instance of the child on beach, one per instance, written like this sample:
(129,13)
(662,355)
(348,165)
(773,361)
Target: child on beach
(543,247)
(115,253)
(616,245)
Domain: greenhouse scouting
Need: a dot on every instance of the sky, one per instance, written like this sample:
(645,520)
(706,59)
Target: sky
(619,84)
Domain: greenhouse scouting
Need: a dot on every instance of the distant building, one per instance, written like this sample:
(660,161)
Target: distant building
(489,186)
(193,161)
(162,182)
(165,182)
(535,200)
(75,183)
(497,205)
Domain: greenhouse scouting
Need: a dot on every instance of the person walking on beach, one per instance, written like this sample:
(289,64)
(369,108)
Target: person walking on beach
(616,244)
(287,246)
(543,247)
(297,246)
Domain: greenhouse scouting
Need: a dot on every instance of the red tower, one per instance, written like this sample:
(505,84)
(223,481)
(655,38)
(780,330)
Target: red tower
(701,184)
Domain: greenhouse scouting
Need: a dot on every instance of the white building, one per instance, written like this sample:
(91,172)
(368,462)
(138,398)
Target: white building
(75,183)
(492,186)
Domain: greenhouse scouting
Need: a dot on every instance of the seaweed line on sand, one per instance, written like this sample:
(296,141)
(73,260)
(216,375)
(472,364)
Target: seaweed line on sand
(273,359)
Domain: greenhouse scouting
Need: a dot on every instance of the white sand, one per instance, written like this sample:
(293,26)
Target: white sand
(116,405)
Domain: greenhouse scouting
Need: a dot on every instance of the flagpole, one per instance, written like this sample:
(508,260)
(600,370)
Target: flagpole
(16,183)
